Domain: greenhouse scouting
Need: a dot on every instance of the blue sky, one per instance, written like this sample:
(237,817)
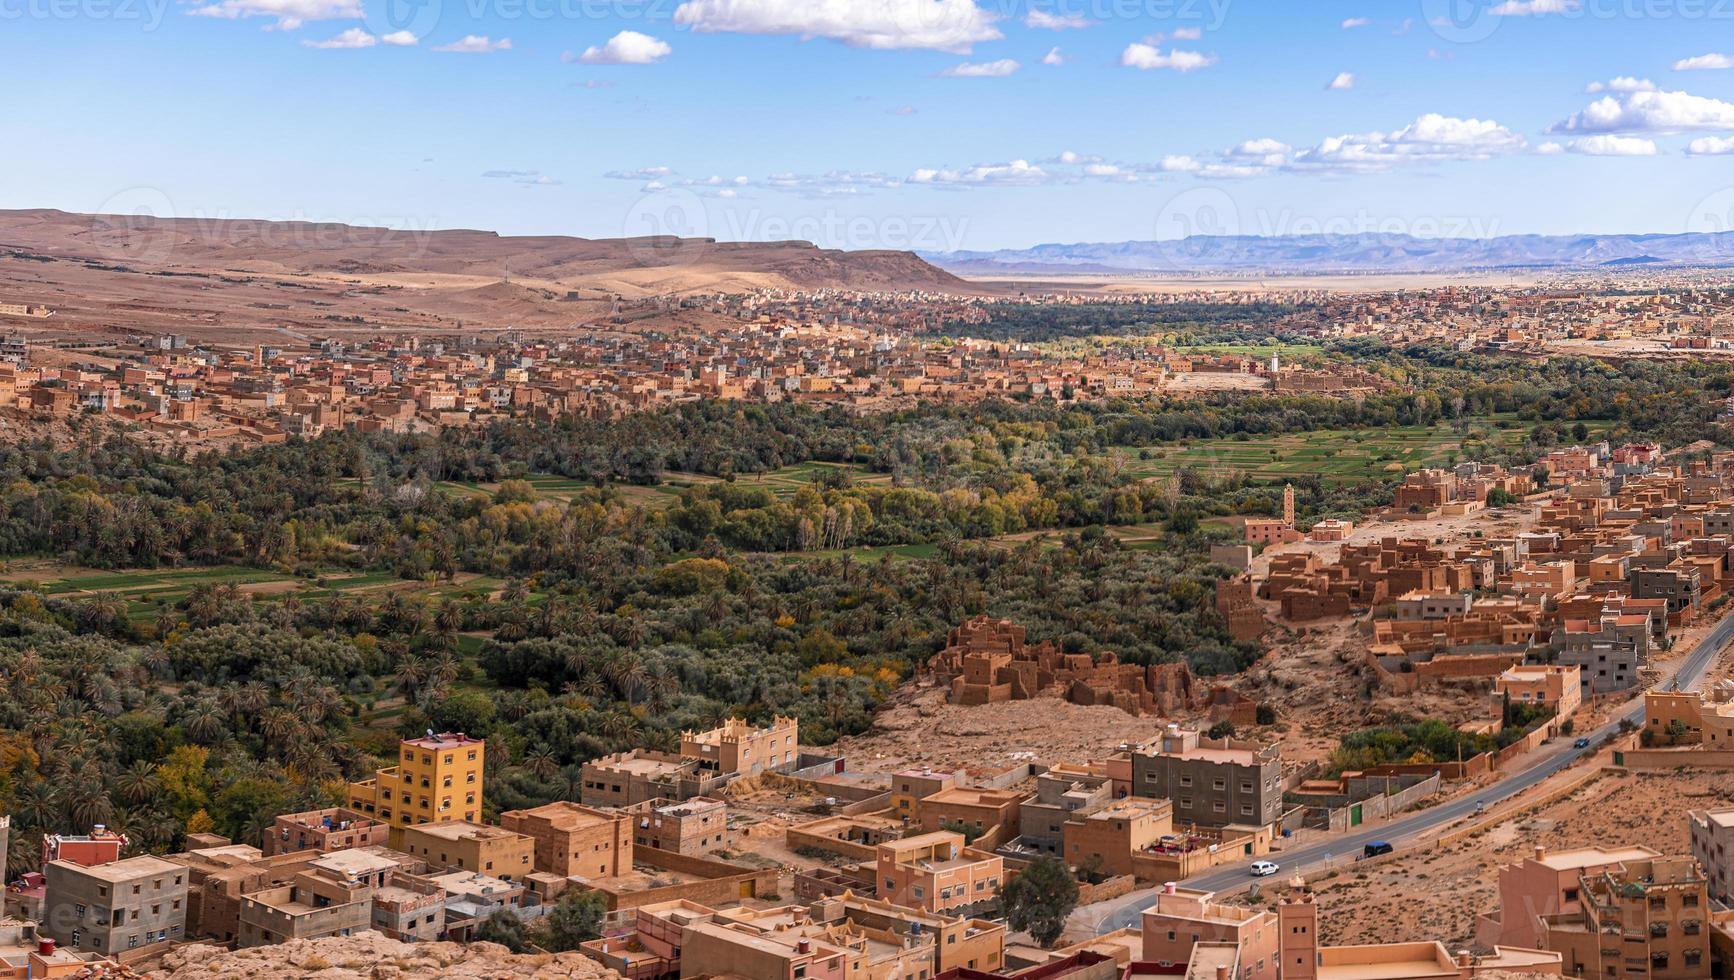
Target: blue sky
(931,124)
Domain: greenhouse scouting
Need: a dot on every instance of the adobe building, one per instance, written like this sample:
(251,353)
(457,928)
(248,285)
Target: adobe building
(1554,687)
(1183,920)
(1110,838)
(936,872)
(986,661)
(739,749)
(1187,933)
(1234,603)
(979,810)
(707,762)
(330,829)
(573,840)
(1547,883)
(696,827)
(1658,906)
(219,877)
(466,846)
(910,786)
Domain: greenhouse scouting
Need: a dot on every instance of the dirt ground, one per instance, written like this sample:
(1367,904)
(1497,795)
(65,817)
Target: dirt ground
(1378,904)
(919,728)
(1314,673)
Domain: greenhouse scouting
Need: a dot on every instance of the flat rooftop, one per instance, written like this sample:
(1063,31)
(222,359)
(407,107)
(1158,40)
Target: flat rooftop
(1723,817)
(142,866)
(1235,757)
(1585,857)
(1207,958)
(566,815)
(354,863)
(644,766)
(444,740)
(455,830)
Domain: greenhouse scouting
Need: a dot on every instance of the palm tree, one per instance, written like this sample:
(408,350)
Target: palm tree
(541,763)
(138,784)
(204,720)
(90,805)
(411,675)
(278,724)
(37,805)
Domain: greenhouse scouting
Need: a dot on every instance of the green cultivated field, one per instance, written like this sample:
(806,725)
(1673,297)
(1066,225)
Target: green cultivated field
(782,481)
(147,589)
(1334,454)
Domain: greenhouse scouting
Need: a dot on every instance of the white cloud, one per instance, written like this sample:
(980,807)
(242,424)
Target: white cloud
(1624,83)
(1432,137)
(903,110)
(289,14)
(1531,8)
(1550,149)
(982,69)
(627,48)
(477,44)
(350,40)
(531,177)
(1053,58)
(1614,146)
(1705,62)
(1015,173)
(1354,22)
(945,25)
(1187,34)
(1709,146)
(400,39)
(1146,57)
(642,173)
(1649,112)
(1344,81)
(1044,21)
(835,183)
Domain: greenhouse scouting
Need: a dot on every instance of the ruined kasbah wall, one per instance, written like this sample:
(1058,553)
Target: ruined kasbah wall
(797,839)
(979,694)
(1446,667)
(1395,682)
(726,883)
(1467,666)
(1040,671)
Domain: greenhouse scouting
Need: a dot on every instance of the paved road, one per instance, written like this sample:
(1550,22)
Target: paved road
(1546,763)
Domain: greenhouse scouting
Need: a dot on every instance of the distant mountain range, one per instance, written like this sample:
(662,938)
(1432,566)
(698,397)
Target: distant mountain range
(1371,253)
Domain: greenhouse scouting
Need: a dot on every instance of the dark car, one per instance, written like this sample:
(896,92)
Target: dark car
(1376,848)
(1582,743)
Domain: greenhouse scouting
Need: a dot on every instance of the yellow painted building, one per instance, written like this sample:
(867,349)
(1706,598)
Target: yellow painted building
(437,778)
